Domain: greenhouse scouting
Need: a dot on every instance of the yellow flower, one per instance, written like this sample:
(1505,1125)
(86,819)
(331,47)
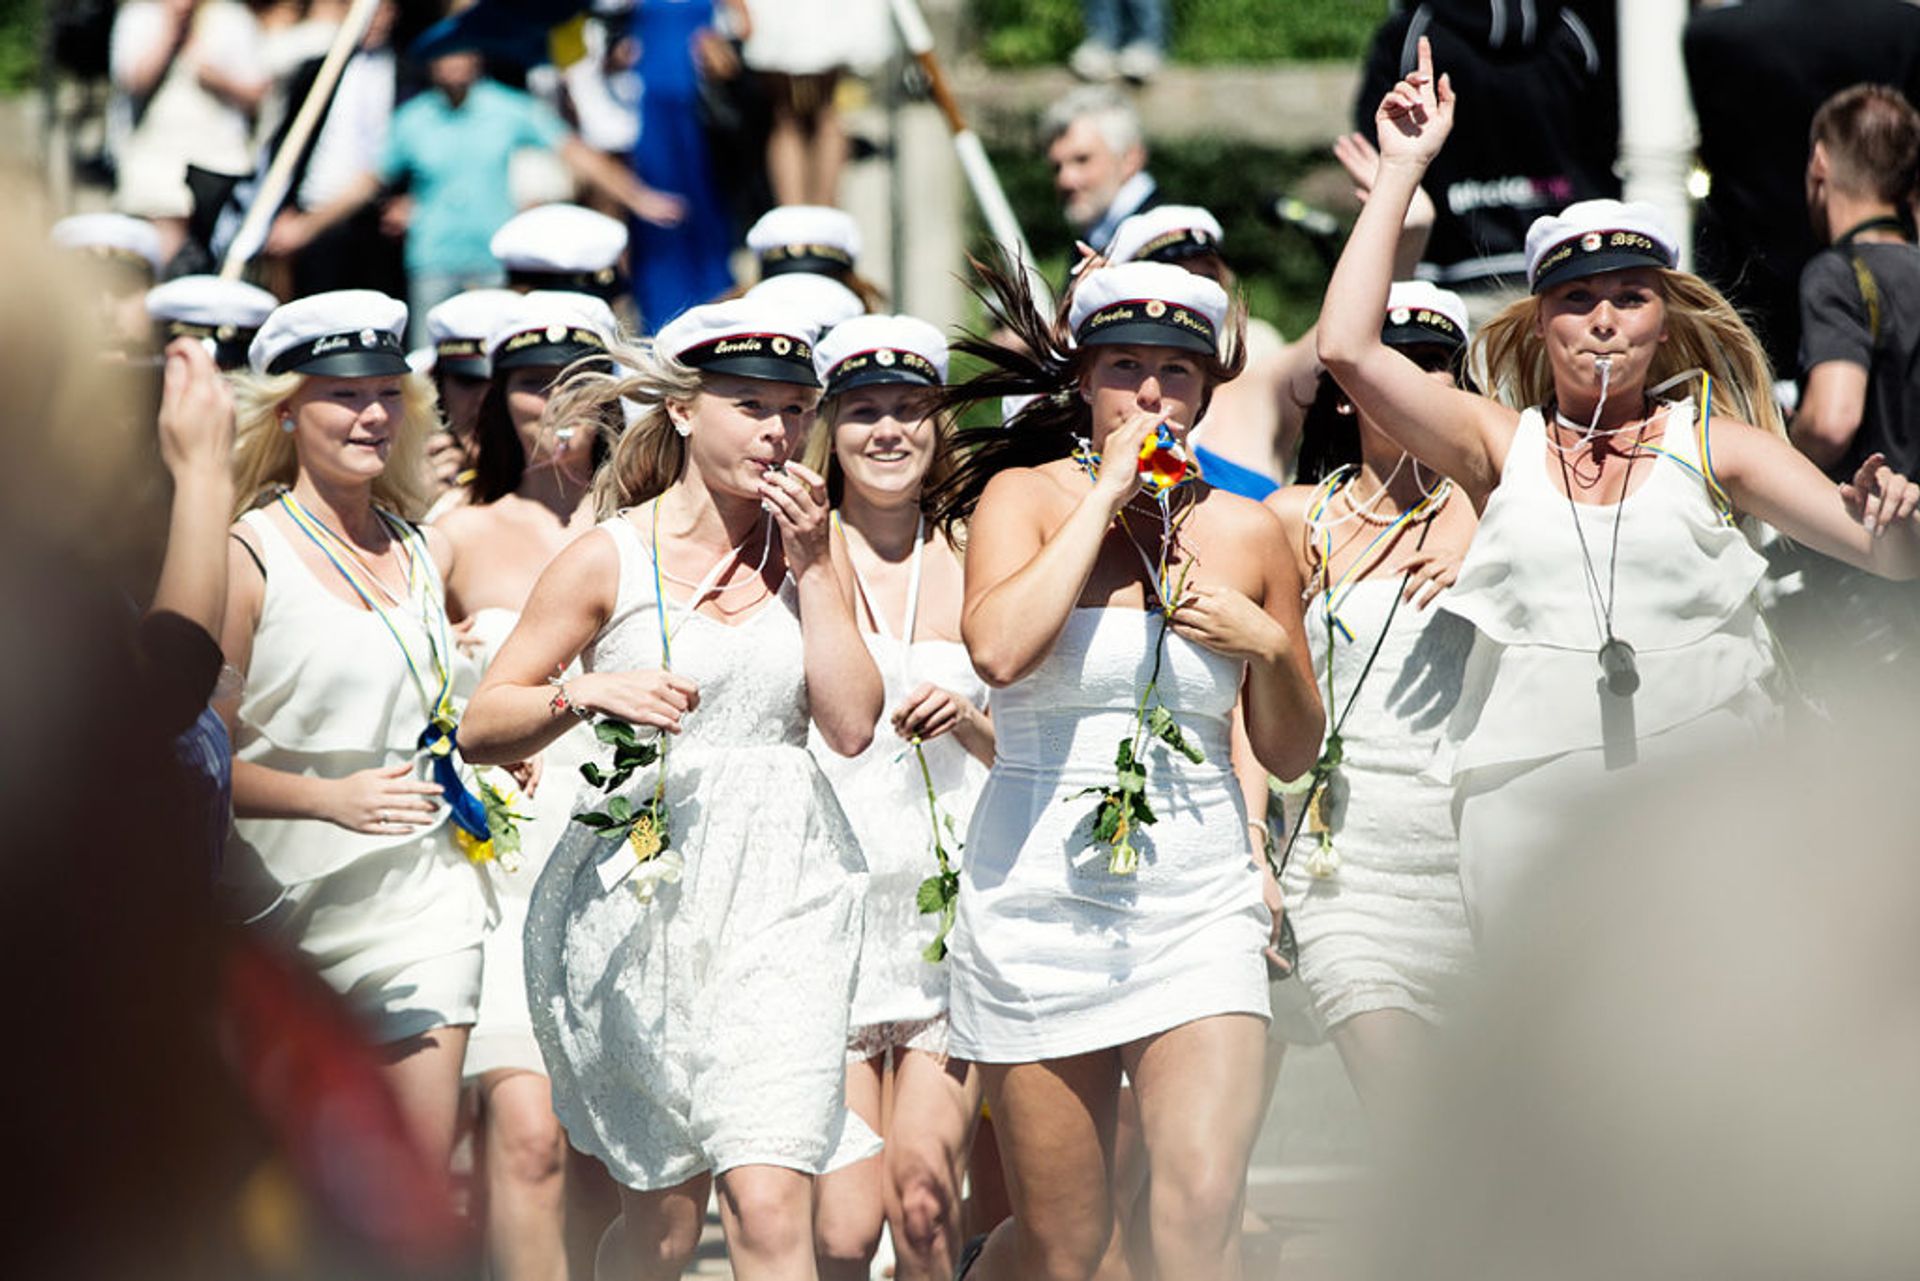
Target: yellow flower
(645,838)
(476,849)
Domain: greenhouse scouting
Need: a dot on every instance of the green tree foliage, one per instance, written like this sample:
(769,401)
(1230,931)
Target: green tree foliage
(1025,33)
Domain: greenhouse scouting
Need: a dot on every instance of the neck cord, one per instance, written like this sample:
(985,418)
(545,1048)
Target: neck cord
(1365,510)
(708,587)
(1616,656)
(1418,513)
(917,562)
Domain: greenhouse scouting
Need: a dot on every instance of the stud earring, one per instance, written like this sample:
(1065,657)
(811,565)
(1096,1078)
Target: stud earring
(286,425)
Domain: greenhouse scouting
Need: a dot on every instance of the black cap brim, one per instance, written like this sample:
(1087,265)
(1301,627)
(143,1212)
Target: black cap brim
(1419,336)
(809,264)
(768,368)
(877,376)
(353,364)
(1151,333)
(461,367)
(558,355)
(1581,266)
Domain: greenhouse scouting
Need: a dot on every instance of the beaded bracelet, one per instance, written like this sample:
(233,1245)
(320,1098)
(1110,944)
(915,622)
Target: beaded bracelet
(561,702)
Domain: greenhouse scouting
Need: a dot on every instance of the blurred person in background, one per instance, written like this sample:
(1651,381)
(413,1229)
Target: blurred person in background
(114,260)
(1124,38)
(1860,363)
(1098,155)
(600,92)
(353,835)
(801,49)
(188,81)
(1751,235)
(1538,130)
(452,147)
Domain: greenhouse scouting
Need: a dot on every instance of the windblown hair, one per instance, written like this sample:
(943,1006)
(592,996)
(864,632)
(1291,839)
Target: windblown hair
(1872,136)
(1045,365)
(264,460)
(500,460)
(650,454)
(819,453)
(1508,362)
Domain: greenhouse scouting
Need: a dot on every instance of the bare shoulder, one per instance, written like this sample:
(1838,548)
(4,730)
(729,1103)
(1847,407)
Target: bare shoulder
(1289,506)
(1242,519)
(1028,491)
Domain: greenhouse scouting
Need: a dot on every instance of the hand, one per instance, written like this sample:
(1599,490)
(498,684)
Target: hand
(466,639)
(656,207)
(1228,623)
(196,413)
(1358,156)
(396,216)
(1878,496)
(714,55)
(1429,574)
(1118,478)
(1279,965)
(1091,259)
(652,697)
(797,500)
(291,232)
(929,712)
(1416,115)
(446,458)
(388,801)
(526,774)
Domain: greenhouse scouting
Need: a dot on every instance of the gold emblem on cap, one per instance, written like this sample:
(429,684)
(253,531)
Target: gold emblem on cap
(781,346)
(368,338)
(883,357)
(1156,308)
(1590,241)
(1400,315)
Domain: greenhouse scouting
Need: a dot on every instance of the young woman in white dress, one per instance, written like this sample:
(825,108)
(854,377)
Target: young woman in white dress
(879,443)
(528,499)
(691,1001)
(1372,880)
(1609,584)
(345,845)
(1068,965)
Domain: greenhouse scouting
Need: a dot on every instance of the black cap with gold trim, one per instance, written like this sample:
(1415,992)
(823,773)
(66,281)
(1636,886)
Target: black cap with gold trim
(815,238)
(222,314)
(1150,304)
(346,333)
(869,350)
(459,328)
(1421,314)
(553,328)
(1166,233)
(561,248)
(742,339)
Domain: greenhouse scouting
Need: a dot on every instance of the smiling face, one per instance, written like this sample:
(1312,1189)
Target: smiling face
(739,427)
(1622,314)
(344,428)
(884,440)
(1088,172)
(1127,379)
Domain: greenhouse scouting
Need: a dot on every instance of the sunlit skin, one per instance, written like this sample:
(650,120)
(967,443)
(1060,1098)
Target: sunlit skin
(1621,314)
(1124,381)
(344,427)
(460,397)
(884,439)
(1088,172)
(742,427)
(526,394)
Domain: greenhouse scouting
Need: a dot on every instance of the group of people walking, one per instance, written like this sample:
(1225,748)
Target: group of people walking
(777,776)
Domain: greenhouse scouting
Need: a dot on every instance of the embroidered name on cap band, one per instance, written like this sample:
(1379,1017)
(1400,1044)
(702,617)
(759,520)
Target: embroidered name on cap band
(1182,243)
(792,253)
(885,358)
(1426,318)
(459,348)
(555,336)
(378,340)
(1149,311)
(1611,243)
(774,346)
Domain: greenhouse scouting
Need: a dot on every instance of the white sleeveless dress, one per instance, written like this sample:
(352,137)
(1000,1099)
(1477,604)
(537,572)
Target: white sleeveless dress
(899,998)
(1387,929)
(393,923)
(502,1036)
(1053,955)
(1536,731)
(707,1029)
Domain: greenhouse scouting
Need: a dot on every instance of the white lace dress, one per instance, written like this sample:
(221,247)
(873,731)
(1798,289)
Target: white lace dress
(1386,928)
(502,1037)
(707,1029)
(899,998)
(1054,955)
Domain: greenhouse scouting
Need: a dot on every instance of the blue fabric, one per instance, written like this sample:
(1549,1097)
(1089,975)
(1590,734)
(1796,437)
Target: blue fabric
(205,756)
(1118,23)
(456,160)
(675,268)
(1224,473)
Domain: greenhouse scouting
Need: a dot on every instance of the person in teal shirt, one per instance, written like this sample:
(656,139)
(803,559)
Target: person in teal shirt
(452,146)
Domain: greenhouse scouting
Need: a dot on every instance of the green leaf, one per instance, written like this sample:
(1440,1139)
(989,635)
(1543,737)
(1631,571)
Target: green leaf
(931,896)
(1133,779)
(1106,819)
(1142,812)
(596,820)
(1123,759)
(620,809)
(617,732)
(631,756)
(594,775)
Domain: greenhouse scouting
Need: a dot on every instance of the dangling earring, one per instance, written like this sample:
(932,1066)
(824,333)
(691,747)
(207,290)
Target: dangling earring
(1344,408)
(286,425)
(684,426)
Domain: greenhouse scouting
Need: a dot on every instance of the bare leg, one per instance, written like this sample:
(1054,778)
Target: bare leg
(826,151)
(656,1234)
(593,1202)
(424,1072)
(767,1212)
(988,1204)
(849,1209)
(1378,1048)
(526,1177)
(934,1104)
(1199,1088)
(786,145)
(1055,1121)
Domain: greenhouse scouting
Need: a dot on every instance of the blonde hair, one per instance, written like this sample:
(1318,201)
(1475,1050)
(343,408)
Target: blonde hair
(1508,362)
(650,454)
(264,460)
(820,456)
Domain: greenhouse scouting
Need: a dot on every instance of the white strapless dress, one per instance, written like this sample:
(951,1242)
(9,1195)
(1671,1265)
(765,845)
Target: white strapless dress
(1053,955)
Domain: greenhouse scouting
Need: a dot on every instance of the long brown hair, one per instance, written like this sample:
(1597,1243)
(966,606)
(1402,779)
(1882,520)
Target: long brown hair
(1509,362)
(650,454)
(1045,365)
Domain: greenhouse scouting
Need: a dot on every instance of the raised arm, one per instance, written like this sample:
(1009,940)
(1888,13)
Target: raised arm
(1023,578)
(1462,435)
(1868,521)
